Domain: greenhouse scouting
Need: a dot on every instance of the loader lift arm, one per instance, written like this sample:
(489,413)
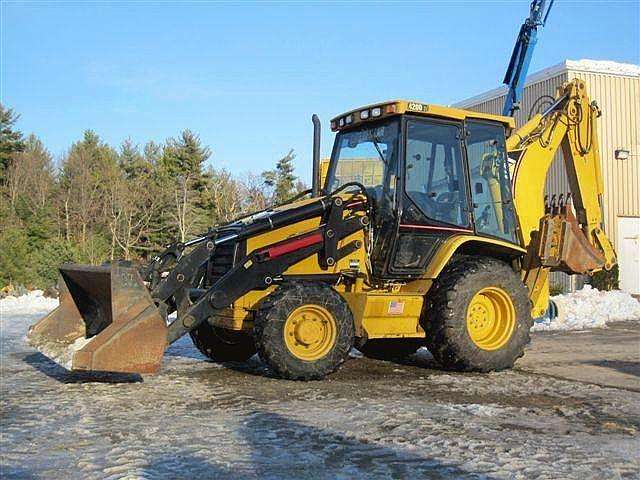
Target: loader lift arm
(556,239)
(258,270)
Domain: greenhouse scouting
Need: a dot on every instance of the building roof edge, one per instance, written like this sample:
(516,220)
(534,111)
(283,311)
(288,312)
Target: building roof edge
(585,65)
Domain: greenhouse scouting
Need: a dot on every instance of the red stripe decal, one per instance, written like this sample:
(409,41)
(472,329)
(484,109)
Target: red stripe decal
(431,227)
(293,245)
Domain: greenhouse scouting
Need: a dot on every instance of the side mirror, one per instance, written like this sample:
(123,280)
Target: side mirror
(479,189)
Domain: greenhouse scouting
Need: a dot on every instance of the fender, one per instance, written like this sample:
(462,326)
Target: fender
(499,248)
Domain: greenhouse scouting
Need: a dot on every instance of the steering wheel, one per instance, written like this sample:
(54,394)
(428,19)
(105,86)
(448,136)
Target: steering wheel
(444,205)
(447,198)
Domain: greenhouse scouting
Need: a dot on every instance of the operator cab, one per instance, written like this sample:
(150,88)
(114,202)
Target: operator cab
(431,172)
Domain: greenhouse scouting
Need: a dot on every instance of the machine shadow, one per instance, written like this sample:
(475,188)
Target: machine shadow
(283,448)
(421,358)
(52,370)
(12,472)
(281,444)
(622,366)
(255,367)
(181,465)
(184,348)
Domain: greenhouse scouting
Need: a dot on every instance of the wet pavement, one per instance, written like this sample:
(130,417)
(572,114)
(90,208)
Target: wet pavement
(372,419)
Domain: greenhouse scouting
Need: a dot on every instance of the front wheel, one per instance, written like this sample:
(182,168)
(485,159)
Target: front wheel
(304,331)
(478,316)
(222,345)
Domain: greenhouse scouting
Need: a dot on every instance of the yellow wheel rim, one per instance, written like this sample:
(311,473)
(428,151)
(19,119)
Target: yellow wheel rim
(310,332)
(491,318)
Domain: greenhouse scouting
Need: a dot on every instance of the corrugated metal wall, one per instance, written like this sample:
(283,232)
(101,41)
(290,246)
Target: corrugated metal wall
(619,127)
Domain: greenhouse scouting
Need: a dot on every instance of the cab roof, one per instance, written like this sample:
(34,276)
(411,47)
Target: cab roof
(389,108)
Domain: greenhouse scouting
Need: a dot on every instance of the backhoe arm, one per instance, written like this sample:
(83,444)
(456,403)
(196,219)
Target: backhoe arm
(582,162)
(555,237)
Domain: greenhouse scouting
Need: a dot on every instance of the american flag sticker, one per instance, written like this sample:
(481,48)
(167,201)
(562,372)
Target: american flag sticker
(395,308)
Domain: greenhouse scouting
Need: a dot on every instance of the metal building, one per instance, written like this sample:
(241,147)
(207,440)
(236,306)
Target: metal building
(616,88)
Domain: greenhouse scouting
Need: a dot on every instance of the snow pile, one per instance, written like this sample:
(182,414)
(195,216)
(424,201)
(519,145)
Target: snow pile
(604,66)
(590,308)
(32,303)
(18,313)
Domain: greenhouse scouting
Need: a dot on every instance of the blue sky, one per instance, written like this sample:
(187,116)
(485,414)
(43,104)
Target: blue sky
(247,76)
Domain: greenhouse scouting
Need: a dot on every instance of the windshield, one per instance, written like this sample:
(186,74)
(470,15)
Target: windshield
(367,156)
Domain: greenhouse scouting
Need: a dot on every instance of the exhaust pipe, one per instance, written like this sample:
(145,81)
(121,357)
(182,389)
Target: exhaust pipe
(315,183)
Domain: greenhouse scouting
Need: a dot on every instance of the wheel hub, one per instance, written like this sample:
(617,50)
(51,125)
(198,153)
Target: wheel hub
(310,332)
(491,318)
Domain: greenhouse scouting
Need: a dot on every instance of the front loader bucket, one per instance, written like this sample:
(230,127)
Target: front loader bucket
(106,322)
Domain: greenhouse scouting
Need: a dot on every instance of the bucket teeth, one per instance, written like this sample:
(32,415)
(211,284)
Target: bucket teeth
(563,246)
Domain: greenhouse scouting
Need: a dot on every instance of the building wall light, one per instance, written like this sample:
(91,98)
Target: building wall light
(622,154)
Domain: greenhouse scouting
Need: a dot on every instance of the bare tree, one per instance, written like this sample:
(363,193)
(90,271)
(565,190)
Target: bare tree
(133,206)
(30,176)
(226,196)
(184,211)
(256,195)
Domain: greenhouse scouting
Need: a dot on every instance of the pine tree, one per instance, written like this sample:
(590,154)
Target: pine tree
(282,180)
(185,156)
(152,153)
(131,161)
(184,182)
(11,140)
(85,186)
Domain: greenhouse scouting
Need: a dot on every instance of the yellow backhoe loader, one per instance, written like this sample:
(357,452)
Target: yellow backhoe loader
(430,228)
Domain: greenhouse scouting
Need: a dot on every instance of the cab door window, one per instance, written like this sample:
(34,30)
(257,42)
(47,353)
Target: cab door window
(490,183)
(434,174)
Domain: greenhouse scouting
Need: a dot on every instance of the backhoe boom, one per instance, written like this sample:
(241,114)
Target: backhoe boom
(556,239)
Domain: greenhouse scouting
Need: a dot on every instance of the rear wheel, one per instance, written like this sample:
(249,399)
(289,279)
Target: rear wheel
(222,345)
(478,316)
(304,331)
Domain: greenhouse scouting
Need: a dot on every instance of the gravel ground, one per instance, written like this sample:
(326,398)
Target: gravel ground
(372,419)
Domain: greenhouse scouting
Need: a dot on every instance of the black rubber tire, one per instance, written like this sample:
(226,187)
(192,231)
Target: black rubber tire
(223,345)
(272,315)
(445,318)
(389,348)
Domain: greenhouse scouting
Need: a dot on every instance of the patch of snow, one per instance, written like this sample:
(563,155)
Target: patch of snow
(480,410)
(590,308)
(17,313)
(62,353)
(604,66)
(423,354)
(355,353)
(33,302)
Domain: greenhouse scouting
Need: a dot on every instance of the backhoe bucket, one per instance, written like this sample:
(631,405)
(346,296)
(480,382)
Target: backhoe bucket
(106,322)
(564,246)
